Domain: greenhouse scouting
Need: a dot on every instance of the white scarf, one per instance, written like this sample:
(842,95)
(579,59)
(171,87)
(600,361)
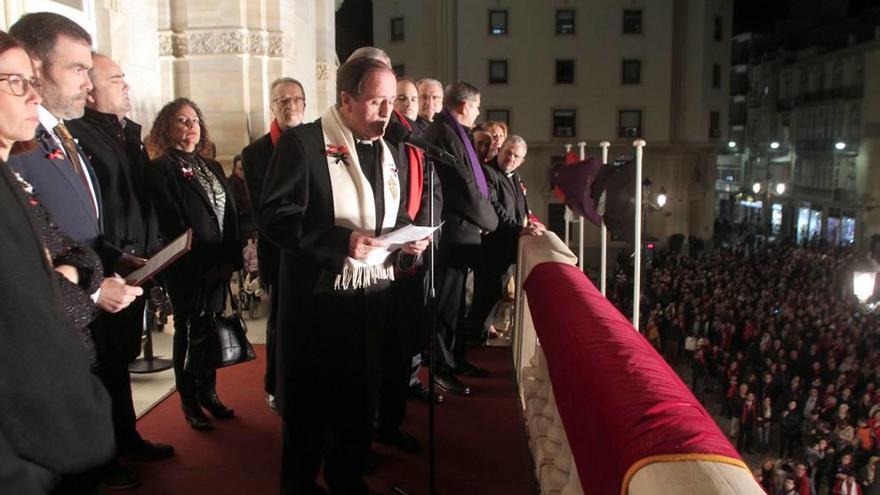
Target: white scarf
(354,205)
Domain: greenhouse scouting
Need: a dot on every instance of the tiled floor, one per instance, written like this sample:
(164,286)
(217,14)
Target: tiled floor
(148,389)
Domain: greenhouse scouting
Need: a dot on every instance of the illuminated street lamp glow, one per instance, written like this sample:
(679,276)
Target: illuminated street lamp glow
(774,145)
(864,276)
(840,146)
(731,144)
(661,198)
(780,188)
(756,187)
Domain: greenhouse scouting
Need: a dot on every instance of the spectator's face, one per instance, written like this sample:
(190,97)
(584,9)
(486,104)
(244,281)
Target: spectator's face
(238,170)
(788,485)
(18,114)
(430,100)
(66,82)
(368,113)
(185,129)
(407,101)
(483,146)
(288,105)
(511,157)
(110,94)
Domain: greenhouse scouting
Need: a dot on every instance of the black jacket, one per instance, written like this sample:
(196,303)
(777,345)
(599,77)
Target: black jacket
(182,203)
(255,160)
(466,212)
(54,413)
(508,198)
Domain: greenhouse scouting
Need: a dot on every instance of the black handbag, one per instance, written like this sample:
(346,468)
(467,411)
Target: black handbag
(217,340)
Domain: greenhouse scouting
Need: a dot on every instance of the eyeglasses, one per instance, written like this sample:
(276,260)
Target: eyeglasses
(296,100)
(187,122)
(19,84)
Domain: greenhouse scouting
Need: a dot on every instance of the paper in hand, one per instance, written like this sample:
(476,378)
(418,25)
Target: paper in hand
(394,240)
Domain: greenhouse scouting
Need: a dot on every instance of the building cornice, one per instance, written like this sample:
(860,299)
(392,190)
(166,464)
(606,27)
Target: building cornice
(221,42)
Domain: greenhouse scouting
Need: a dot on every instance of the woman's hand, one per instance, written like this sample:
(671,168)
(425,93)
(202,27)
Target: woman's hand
(69,272)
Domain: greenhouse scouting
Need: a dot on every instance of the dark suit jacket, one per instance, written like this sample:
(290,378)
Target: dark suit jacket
(54,413)
(182,203)
(296,213)
(255,160)
(509,201)
(466,212)
(64,195)
(423,216)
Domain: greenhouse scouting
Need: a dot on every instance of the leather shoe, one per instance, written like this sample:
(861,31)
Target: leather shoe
(448,382)
(400,439)
(197,419)
(467,369)
(215,407)
(420,392)
(146,451)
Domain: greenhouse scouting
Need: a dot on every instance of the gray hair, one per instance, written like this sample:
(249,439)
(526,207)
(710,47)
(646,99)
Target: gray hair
(458,93)
(515,140)
(370,52)
(286,80)
(428,80)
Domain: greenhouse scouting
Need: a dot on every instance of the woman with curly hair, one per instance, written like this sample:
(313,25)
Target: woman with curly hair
(190,192)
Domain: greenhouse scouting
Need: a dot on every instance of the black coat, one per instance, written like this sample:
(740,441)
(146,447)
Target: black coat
(466,212)
(509,201)
(129,221)
(182,203)
(54,413)
(255,160)
(297,214)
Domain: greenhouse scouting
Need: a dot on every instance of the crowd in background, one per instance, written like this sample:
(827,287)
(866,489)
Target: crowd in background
(780,350)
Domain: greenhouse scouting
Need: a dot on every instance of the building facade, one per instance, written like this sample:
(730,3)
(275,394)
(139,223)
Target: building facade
(223,54)
(564,71)
(802,114)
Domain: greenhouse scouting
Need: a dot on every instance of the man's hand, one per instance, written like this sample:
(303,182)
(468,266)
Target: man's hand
(69,272)
(360,245)
(128,263)
(534,228)
(116,295)
(416,248)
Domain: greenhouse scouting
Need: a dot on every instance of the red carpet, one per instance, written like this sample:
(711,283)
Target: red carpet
(481,443)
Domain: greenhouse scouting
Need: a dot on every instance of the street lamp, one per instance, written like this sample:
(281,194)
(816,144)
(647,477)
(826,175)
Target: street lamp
(780,189)
(840,146)
(864,277)
(661,198)
(756,187)
(731,144)
(774,145)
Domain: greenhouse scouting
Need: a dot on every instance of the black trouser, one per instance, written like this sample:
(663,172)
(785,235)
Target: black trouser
(269,380)
(451,333)
(190,383)
(333,388)
(117,342)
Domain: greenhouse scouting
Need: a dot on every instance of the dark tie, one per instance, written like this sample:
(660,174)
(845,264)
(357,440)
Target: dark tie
(70,147)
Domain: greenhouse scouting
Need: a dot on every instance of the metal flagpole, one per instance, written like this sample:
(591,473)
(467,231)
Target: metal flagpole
(603,232)
(568,216)
(637,265)
(582,155)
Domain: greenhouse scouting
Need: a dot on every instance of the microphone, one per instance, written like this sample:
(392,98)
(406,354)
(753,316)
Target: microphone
(398,133)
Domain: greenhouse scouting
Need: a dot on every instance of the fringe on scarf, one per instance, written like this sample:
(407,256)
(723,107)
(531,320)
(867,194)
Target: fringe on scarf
(357,275)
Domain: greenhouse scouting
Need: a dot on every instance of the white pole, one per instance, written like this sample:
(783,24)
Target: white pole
(582,155)
(603,232)
(568,215)
(637,265)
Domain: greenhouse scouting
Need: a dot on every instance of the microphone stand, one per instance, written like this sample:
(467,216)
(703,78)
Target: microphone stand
(432,369)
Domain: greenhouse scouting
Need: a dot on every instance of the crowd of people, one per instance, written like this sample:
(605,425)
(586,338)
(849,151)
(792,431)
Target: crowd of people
(87,201)
(779,348)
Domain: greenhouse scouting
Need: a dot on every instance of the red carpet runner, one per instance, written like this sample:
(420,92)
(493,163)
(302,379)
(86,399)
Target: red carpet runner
(481,443)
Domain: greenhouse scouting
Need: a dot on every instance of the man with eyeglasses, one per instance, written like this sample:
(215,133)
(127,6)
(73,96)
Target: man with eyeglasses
(430,102)
(112,144)
(288,106)
(57,167)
